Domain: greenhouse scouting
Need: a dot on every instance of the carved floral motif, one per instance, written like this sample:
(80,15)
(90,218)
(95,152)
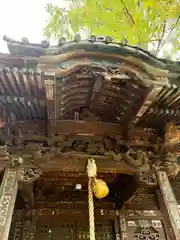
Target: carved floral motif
(166,161)
(146,233)
(137,158)
(146,178)
(136,150)
(28,175)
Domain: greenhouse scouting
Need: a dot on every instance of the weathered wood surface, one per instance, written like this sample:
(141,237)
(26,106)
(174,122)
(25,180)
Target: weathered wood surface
(75,162)
(167,223)
(8,192)
(170,202)
(144,219)
(26,191)
(130,223)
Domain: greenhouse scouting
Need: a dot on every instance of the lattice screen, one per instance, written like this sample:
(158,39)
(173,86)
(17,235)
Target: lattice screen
(104,231)
(73,231)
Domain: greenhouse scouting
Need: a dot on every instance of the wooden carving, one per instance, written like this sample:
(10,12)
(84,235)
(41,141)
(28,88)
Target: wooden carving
(137,159)
(171,137)
(29,175)
(103,101)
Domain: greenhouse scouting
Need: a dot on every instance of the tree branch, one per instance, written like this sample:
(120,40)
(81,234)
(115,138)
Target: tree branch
(162,36)
(173,27)
(127,12)
(149,41)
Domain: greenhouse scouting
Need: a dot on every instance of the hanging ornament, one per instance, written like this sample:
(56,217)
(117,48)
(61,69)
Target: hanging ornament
(171,137)
(171,132)
(100,189)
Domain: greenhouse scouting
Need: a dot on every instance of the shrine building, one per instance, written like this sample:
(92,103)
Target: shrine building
(89,142)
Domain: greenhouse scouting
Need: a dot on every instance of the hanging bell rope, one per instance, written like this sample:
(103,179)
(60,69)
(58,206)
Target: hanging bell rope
(91,172)
(100,190)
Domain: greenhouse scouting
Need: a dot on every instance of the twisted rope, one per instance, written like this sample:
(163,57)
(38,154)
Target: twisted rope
(91,210)
(91,171)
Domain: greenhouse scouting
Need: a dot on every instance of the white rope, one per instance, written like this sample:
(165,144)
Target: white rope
(92,172)
(91,211)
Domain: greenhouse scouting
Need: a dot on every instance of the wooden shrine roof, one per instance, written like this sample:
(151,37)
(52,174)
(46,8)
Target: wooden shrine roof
(23,94)
(106,81)
(93,44)
(98,87)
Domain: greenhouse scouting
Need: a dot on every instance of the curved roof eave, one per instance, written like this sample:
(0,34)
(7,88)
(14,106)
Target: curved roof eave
(126,52)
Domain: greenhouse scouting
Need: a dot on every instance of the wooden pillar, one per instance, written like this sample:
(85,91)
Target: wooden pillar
(26,191)
(8,193)
(29,226)
(117,229)
(49,80)
(50,85)
(170,202)
(122,223)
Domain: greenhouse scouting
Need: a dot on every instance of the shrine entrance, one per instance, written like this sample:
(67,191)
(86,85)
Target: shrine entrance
(60,228)
(49,224)
(61,212)
(89,142)
(74,226)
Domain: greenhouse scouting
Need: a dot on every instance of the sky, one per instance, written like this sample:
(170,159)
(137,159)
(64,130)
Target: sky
(24,18)
(27,18)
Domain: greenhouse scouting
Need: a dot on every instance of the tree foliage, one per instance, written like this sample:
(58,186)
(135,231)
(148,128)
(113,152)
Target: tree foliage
(58,24)
(139,21)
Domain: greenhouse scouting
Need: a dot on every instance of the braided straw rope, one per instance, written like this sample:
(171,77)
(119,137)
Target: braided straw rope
(91,172)
(91,210)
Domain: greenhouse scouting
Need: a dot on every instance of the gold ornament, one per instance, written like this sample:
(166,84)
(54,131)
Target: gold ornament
(100,189)
(171,137)
(171,132)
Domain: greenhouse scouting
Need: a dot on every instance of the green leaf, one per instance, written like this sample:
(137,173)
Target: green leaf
(139,21)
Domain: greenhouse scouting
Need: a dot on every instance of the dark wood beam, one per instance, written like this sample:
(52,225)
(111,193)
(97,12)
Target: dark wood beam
(74,162)
(94,99)
(50,97)
(26,191)
(87,115)
(152,93)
